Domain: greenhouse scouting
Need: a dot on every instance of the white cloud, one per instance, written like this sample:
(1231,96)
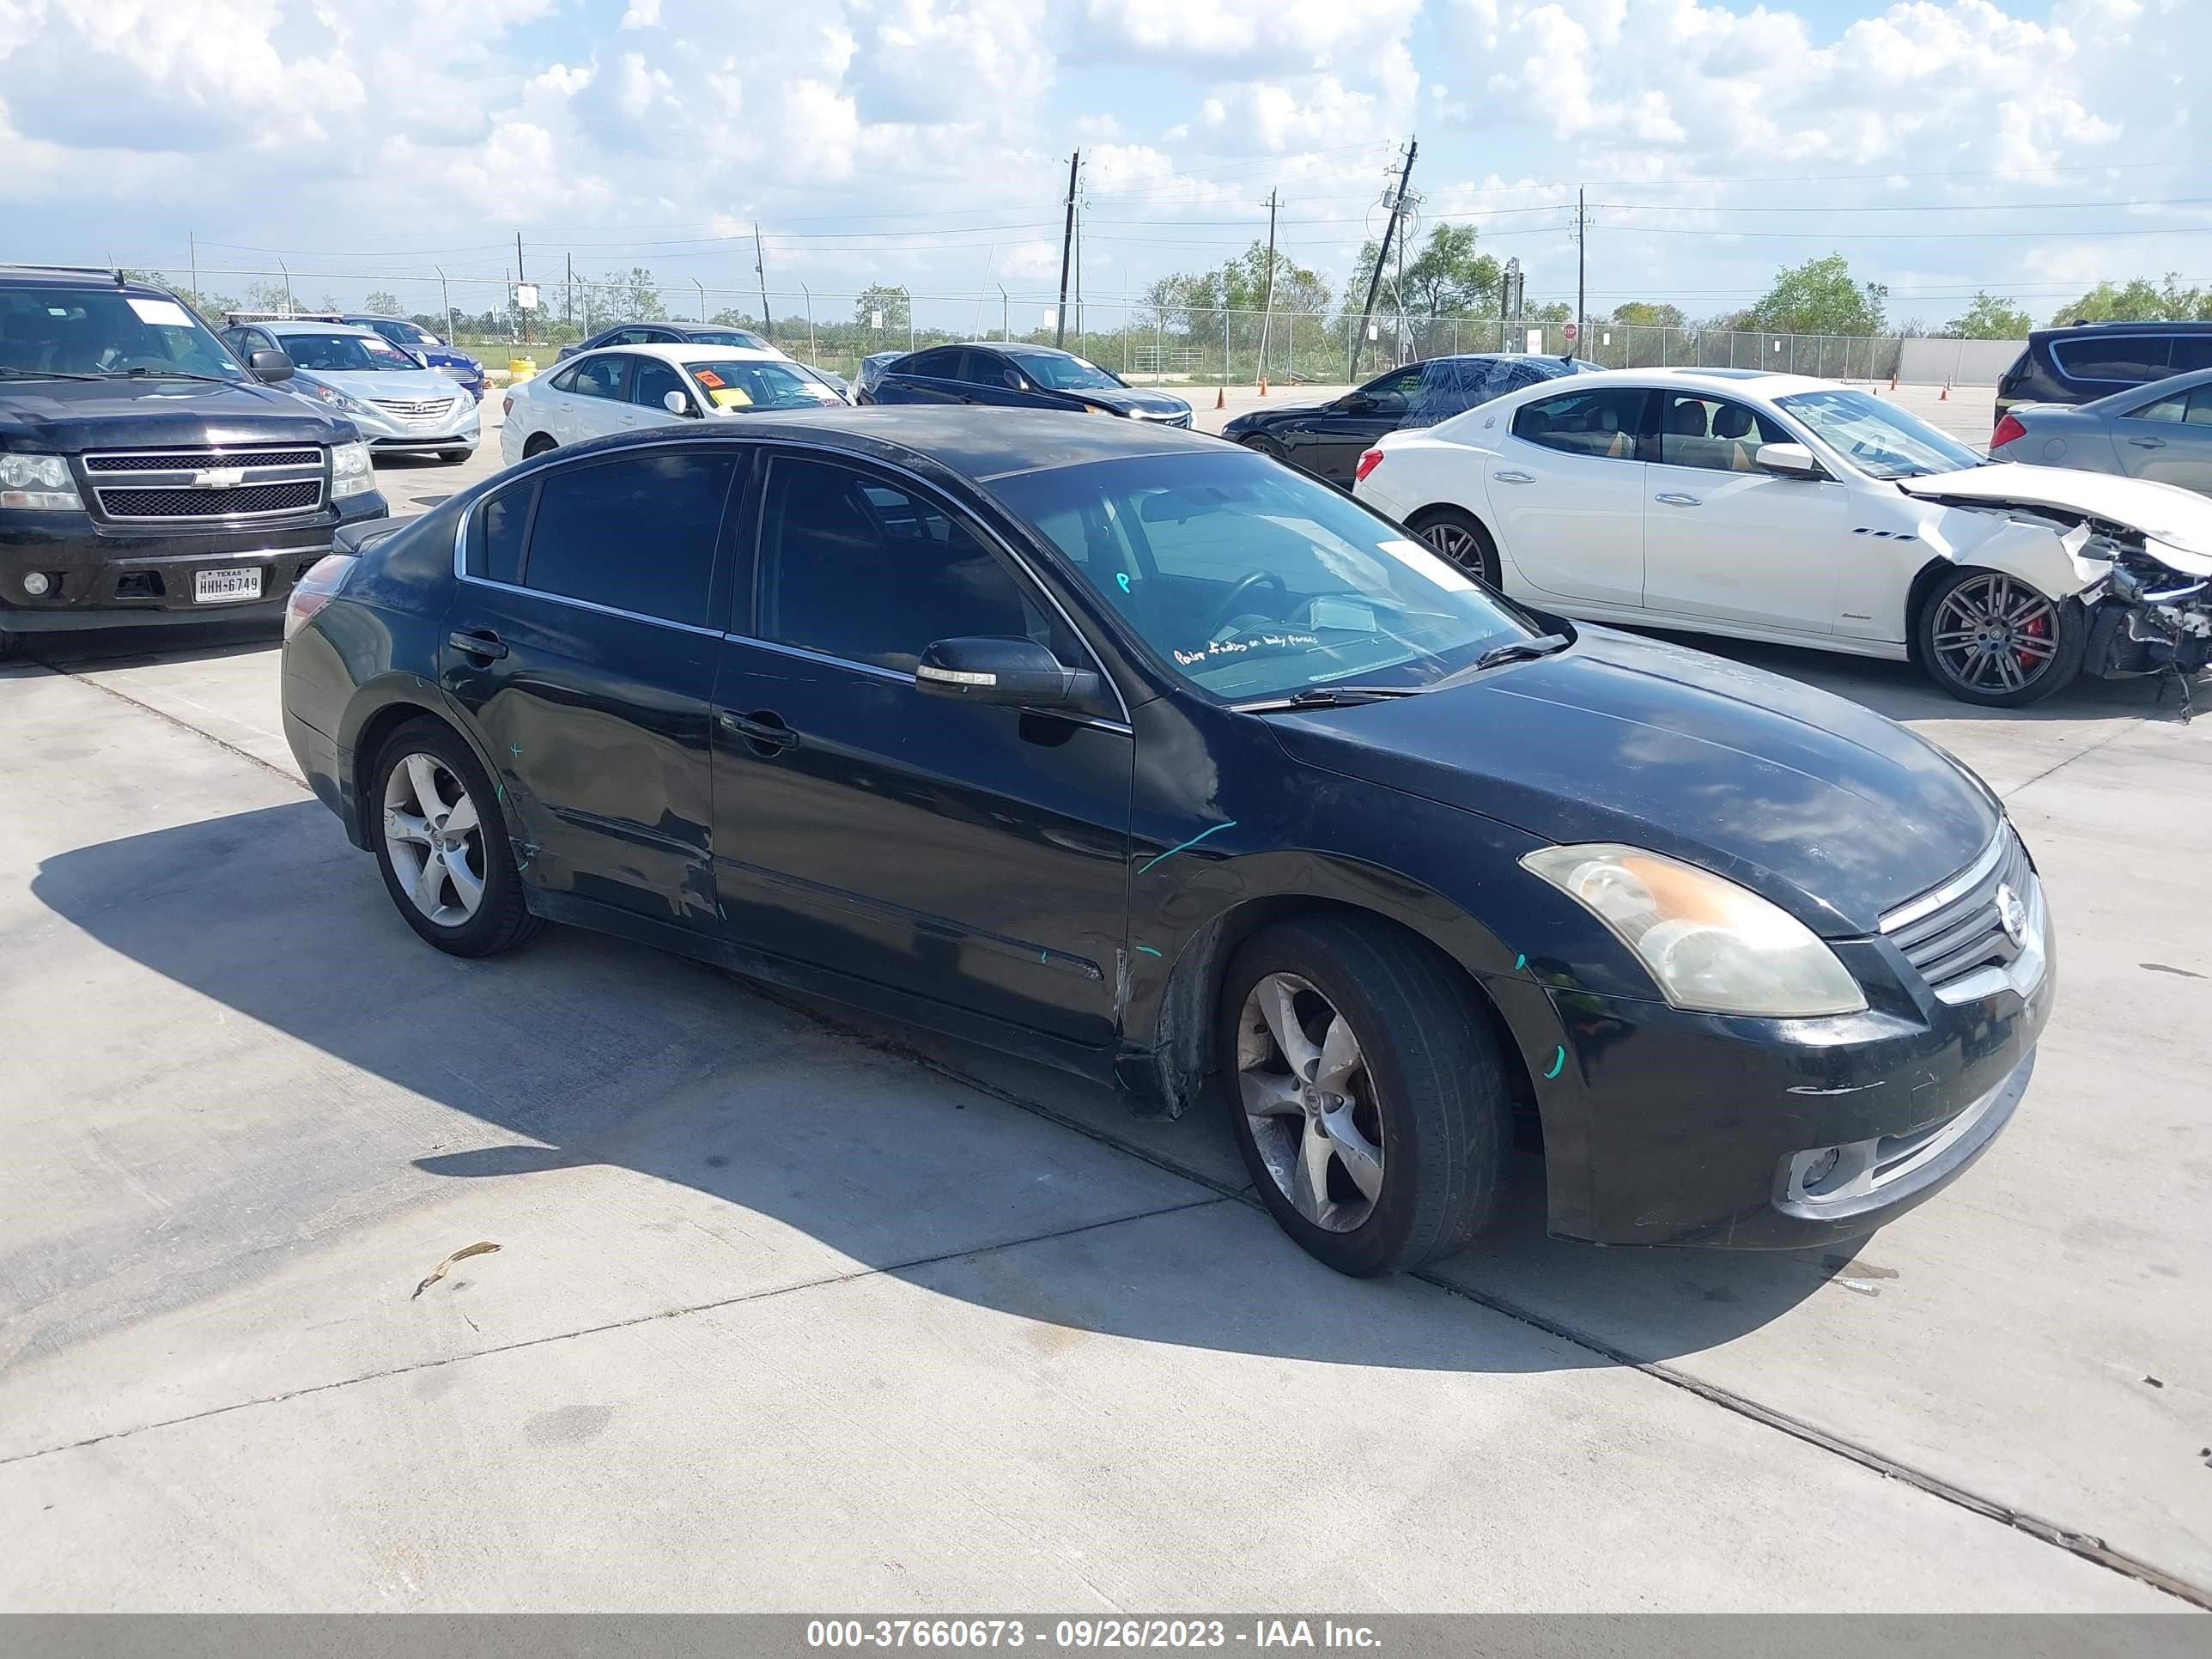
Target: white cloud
(642,15)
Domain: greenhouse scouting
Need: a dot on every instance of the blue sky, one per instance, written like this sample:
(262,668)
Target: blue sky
(2029,147)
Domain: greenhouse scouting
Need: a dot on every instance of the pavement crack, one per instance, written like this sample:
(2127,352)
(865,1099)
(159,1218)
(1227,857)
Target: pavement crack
(2061,765)
(826,1281)
(247,755)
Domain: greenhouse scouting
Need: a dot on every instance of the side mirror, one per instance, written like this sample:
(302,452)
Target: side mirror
(270,367)
(1355,403)
(1789,461)
(676,404)
(1020,672)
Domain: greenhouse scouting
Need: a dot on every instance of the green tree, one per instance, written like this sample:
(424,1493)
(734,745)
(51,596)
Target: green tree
(381,303)
(1240,284)
(1990,318)
(1445,278)
(638,297)
(2137,301)
(1818,297)
(1644,313)
(893,302)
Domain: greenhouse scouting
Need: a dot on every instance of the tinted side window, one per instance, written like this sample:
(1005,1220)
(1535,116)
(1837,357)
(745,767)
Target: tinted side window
(942,364)
(495,543)
(1452,386)
(1601,423)
(859,569)
(1393,394)
(629,336)
(599,377)
(989,369)
(2133,358)
(565,380)
(637,534)
(654,380)
(1695,430)
(2192,351)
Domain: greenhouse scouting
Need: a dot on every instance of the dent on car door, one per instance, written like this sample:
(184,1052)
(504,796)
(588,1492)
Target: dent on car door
(1566,492)
(1724,540)
(965,852)
(579,641)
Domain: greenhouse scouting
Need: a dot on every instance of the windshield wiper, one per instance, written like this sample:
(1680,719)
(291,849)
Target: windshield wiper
(1515,651)
(1330,697)
(160,374)
(44,374)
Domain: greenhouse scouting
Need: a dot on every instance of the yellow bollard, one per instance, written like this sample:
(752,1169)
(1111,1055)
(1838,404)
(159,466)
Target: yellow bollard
(521,368)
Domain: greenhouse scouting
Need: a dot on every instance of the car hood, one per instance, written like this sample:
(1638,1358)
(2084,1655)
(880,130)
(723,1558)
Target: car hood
(1259,420)
(1831,811)
(446,357)
(370,383)
(1130,401)
(73,415)
(2177,522)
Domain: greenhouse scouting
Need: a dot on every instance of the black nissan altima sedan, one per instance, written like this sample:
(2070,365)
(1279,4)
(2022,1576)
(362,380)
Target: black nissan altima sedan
(1130,750)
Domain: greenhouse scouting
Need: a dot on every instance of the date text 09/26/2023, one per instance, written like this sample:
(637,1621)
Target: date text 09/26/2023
(1065,1634)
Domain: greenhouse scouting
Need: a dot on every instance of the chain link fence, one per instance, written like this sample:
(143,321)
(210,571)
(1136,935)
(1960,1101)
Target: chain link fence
(1142,343)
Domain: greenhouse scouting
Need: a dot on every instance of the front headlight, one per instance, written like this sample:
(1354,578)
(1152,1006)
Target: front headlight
(38,483)
(1713,947)
(338,399)
(351,471)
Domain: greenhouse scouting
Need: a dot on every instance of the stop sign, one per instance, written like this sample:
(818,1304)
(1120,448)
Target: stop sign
(1572,332)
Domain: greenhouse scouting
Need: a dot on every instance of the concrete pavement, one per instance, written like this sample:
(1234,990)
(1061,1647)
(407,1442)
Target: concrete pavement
(795,1310)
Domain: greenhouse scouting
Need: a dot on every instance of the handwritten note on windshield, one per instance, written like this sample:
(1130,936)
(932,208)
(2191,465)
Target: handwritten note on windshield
(1237,648)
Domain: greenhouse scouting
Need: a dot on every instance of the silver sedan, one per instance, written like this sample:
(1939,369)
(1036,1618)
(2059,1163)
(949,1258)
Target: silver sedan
(2161,432)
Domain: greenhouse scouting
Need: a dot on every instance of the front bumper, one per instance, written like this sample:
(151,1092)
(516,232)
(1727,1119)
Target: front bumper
(1668,1127)
(462,429)
(102,575)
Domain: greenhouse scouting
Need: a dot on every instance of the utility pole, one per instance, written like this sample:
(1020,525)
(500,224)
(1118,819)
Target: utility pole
(760,269)
(1006,322)
(193,238)
(1066,248)
(446,303)
(1582,229)
(1268,304)
(1382,255)
(568,300)
(1078,276)
(702,287)
(520,279)
(287,269)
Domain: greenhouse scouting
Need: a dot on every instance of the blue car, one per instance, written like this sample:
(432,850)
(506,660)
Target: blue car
(413,336)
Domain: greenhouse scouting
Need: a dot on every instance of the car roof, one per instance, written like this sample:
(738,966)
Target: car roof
(1720,382)
(675,327)
(980,444)
(2058,329)
(684,352)
(295,325)
(80,276)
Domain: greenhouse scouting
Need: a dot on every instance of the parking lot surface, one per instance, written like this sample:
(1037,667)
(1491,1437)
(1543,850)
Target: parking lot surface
(794,1310)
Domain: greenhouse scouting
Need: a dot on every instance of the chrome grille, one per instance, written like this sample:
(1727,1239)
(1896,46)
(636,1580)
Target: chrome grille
(1957,929)
(424,411)
(170,486)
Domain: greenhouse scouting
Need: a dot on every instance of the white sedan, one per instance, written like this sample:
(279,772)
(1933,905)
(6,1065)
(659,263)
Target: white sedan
(1772,506)
(626,388)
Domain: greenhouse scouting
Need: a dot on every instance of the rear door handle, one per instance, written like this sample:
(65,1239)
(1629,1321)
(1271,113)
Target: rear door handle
(765,730)
(1515,478)
(1674,498)
(484,643)
(2147,443)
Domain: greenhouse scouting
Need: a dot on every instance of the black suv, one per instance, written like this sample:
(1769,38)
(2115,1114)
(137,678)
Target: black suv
(146,475)
(2084,361)
(1326,439)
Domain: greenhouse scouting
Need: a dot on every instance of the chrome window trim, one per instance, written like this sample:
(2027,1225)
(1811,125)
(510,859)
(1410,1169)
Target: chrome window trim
(1936,897)
(900,676)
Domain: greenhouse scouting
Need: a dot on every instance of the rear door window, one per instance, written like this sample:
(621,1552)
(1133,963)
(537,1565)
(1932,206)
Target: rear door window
(1600,423)
(635,534)
(601,377)
(1713,432)
(653,381)
(2129,359)
(495,548)
(941,364)
(2192,351)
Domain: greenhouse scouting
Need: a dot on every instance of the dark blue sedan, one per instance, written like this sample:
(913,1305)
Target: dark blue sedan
(999,374)
(1131,751)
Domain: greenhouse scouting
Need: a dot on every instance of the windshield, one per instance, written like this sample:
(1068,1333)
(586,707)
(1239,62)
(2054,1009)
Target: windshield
(760,386)
(400,332)
(1879,439)
(1252,581)
(344,353)
(104,330)
(1062,372)
(726,337)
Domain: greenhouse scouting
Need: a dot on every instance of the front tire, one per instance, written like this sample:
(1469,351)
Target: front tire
(454,456)
(441,841)
(1462,538)
(536,444)
(1990,639)
(1366,1093)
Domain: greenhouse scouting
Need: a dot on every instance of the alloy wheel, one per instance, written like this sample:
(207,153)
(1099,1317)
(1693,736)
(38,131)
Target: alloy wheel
(1456,543)
(1309,1101)
(1995,633)
(435,839)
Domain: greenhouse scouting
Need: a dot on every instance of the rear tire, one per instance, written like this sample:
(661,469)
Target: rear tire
(1990,639)
(1382,1144)
(441,841)
(1460,537)
(536,444)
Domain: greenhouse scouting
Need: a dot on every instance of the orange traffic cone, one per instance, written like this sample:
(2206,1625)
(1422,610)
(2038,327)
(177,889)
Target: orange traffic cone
(1893,383)
(1944,396)
(1263,386)
(1221,399)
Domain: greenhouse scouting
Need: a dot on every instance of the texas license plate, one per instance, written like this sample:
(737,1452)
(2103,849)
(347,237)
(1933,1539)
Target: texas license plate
(226,587)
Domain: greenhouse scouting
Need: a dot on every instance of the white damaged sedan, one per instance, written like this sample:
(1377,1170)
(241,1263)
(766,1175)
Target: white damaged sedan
(1773,507)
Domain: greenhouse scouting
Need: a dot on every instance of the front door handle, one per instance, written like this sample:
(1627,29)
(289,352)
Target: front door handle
(1675,498)
(484,643)
(2147,443)
(763,730)
(1514,478)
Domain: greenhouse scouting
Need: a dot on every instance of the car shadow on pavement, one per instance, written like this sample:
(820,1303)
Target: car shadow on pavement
(585,1051)
(124,648)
